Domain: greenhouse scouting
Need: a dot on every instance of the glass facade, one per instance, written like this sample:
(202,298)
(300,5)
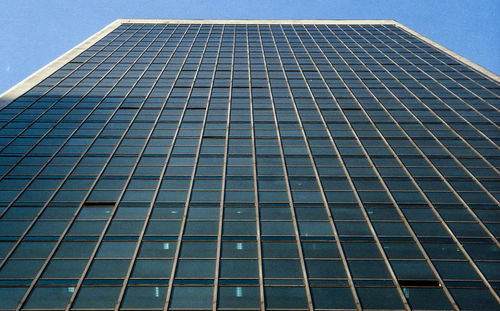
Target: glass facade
(198,166)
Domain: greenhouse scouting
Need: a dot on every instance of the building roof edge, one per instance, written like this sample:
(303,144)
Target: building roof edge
(254,21)
(449,52)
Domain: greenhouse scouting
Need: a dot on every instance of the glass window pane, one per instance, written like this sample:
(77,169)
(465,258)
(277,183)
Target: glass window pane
(281,268)
(108,268)
(21,268)
(279,250)
(152,269)
(427,298)
(195,268)
(474,299)
(144,297)
(97,297)
(11,296)
(191,297)
(379,298)
(49,297)
(157,249)
(285,297)
(332,298)
(239,269)
(64,268)
(325,269)
(238,297)
(116,249)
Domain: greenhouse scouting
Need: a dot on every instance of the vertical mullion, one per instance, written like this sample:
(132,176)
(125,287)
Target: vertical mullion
(190,189)
(224,173)
(313,164)
(285,174)
(262,303)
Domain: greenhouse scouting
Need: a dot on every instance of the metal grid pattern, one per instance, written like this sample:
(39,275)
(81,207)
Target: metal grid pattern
(252,167)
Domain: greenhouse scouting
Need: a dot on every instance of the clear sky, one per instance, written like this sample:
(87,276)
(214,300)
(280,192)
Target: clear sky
(35,32)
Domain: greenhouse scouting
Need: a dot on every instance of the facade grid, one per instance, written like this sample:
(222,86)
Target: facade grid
(251,165)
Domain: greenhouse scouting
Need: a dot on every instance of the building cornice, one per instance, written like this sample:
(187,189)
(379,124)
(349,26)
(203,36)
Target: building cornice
(258,21)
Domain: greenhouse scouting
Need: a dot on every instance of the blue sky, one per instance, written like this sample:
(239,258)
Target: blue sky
(35,32)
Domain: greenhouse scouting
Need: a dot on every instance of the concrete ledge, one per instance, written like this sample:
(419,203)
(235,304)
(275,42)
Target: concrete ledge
(258,21)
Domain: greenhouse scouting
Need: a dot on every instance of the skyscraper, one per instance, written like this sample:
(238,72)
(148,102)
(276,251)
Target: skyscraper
(278,165)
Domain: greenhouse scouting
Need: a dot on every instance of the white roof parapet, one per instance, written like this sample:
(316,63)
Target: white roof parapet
(259,21)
